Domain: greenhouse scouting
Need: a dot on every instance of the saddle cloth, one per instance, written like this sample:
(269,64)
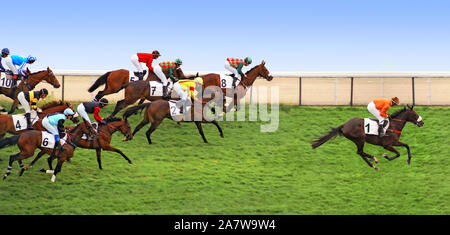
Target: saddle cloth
(133,78)
(371,126)
(20,122)
(226,81)
(6,80)
(48,140)
(175,112)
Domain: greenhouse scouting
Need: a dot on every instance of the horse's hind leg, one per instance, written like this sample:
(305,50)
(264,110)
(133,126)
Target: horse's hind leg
(360,145)
(99,158)
(40,154)
(12,158)
(151,130)
(138,127)
(218,127)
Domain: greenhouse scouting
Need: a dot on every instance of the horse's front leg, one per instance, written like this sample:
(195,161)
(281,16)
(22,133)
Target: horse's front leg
(14,105)
(392,149)
(407,148)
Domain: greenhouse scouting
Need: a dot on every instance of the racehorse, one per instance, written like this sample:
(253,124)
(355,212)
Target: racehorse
(354,131)
(157,111)
(29,84)
(7,124)
(213,80)
(116,80)
(103,141)
(29,141)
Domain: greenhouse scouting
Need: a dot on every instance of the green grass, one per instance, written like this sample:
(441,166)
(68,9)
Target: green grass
(247,172)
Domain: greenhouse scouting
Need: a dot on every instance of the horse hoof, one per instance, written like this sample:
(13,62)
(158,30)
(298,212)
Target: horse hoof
(376,168)
(375,159)
(53,178)
(42,170)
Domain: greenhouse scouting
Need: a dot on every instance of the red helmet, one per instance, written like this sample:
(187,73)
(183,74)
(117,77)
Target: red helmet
(156,53)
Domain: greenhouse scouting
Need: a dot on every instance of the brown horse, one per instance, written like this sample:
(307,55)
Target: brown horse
(116,80)
(156,112)
(103,141)
(354,131)
(31,140)
(7,124)
(29,84)
(212,81)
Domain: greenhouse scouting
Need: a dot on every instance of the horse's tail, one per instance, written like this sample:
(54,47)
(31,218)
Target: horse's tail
(100,81)
(333,133)
(135,109)
(5,142)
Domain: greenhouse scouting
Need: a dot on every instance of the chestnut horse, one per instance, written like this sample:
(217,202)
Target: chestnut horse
(103,141)
(7,125)
(212,80)
(116,80)
(354,131)
(31,140)
(29,84)
(157,111)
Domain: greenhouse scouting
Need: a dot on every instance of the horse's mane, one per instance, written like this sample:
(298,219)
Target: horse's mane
(398,112)
(252,69)
(37,72)
(113,119)
(54,104)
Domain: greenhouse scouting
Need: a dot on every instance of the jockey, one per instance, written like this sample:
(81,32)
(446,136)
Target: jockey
(378,108)
(22,63)
(235,66)
(27,98)
(92,107)
(54,123)
(5,53)
(168,67)
(146,58)
(7,61)
(191,86)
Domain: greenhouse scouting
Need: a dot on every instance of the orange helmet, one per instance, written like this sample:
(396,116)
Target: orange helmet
(395,100)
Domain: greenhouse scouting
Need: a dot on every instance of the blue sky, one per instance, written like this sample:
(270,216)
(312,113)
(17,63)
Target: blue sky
(314,35)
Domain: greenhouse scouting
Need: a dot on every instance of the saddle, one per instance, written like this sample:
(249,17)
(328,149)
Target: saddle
(140,75)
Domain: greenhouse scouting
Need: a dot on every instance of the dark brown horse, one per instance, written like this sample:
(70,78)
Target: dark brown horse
(354,131)
(157,111)
(116,80)
(30,83)
(7,124)
(212,81)
(103,141)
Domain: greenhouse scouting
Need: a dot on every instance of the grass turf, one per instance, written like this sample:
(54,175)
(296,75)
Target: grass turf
(247,172)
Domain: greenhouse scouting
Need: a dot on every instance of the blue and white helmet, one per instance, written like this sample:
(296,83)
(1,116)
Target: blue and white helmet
(68,112)
(31,58)
(5,51)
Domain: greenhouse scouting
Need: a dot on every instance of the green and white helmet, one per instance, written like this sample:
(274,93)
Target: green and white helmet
(178,61)
(248,60)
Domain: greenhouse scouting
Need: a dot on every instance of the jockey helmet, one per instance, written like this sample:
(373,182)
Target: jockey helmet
(395,101)
(31,58)
(68,112)
(156,53)
(199,80)
(44,91)
(248,60)
(5,51)
(178,61)
(103,101)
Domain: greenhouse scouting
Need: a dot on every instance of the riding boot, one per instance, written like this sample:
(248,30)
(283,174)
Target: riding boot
(28,117)
(380,129)
(165,95)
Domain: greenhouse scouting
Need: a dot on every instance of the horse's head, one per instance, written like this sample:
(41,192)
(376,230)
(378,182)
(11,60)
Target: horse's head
(51,78)
(414,117)
(259,71)
(125,129)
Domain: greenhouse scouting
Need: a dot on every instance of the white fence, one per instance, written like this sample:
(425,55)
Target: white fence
(305,88)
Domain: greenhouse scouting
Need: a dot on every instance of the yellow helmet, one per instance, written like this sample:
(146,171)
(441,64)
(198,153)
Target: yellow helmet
(199,80)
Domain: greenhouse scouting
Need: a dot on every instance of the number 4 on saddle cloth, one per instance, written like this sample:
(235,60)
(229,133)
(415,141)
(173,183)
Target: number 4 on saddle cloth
(20,122)
(371,126)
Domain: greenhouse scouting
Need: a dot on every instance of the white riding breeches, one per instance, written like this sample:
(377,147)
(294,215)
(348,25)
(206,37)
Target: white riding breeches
(177,88)
(158,71)
(233,70)
(135,60)
(49,127)
(375,112)
(24,102)
(82,111)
